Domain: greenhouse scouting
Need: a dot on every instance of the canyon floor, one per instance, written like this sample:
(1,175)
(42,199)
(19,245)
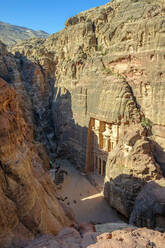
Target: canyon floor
(84,199)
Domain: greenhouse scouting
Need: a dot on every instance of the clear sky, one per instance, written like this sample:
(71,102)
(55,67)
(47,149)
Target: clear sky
(47,15)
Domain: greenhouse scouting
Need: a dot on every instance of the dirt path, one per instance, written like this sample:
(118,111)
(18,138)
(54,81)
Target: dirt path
(83,198)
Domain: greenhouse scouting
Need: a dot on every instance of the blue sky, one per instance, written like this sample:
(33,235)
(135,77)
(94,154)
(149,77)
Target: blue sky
(47,15)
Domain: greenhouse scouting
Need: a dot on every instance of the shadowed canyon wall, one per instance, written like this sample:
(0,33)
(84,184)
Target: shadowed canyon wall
(112,72)
(28,204)
(104,70)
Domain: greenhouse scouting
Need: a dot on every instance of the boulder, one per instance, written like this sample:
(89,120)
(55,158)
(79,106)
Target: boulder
(129,238)
(149,208)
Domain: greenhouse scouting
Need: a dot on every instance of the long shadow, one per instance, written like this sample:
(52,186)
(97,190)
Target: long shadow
(122,191)
(71,138)
(35,90)
(74,142)
(56,128)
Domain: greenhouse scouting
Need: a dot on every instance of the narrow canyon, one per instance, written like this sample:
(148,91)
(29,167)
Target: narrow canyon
(82,132)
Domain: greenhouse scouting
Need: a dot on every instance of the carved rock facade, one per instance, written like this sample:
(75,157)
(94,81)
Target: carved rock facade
(108,66)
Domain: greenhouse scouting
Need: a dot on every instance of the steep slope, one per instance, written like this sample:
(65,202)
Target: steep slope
(28,204)
(11,34)
(109,93)
(99,52)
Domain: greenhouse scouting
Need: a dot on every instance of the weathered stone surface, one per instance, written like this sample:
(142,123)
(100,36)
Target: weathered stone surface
(149,208)
(28,203)
(129,167)
(46,241)
(68,237)
(86,227)
(96,55)
(130,238)
(126,238)
(34,82)
(109,68)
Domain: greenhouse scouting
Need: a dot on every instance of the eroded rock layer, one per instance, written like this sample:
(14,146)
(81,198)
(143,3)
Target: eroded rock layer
(28,203)
(108,66)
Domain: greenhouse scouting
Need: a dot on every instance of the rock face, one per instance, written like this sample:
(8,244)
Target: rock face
(34,84)
(108,66)
(150,202)
(107,60)
(129,167)
(129,237)
(28,203)
(11,34)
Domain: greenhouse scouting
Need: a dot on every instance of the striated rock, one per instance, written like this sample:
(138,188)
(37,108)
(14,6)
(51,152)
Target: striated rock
(109,63)
(27,195)
(106,108)
(34,85)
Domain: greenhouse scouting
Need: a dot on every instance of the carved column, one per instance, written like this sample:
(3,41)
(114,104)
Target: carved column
(115,134)
(107,135)
(97,132)
(107,138)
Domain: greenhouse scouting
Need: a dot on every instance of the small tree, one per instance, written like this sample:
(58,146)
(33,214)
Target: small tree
(145,122)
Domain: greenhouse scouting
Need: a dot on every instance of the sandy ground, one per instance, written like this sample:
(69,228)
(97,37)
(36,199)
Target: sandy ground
(86,202)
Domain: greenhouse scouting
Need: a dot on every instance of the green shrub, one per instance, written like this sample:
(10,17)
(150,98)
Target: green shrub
(145,122)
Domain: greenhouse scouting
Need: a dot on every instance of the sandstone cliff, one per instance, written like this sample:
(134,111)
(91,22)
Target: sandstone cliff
(94,93)
(99,58)
(28,203)
(108,66)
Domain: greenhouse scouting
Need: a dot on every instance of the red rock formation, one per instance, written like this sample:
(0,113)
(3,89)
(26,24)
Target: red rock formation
(27,195)
(109,66)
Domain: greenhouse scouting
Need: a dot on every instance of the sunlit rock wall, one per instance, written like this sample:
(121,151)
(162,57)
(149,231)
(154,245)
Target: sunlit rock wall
(108,65)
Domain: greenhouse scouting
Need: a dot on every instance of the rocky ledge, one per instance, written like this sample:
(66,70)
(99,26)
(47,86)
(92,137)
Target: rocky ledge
(87,238)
